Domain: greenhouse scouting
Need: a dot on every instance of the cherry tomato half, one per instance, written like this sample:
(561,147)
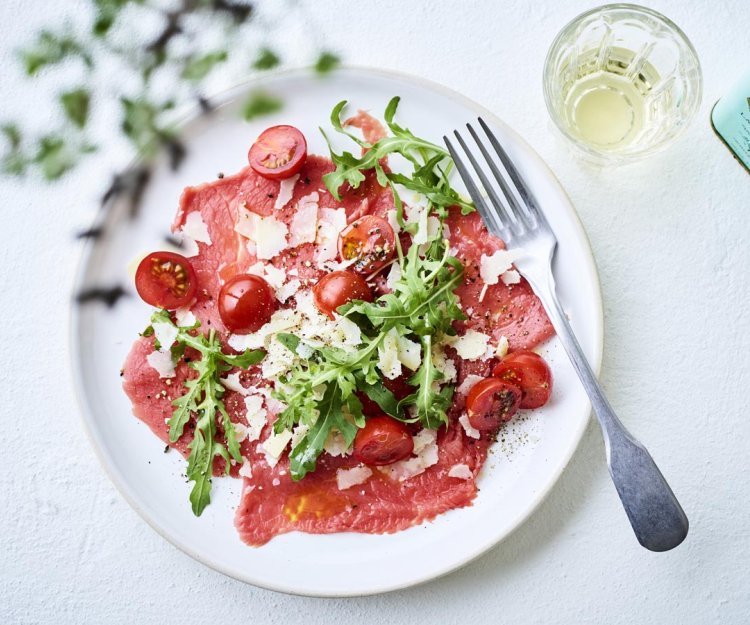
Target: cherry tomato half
(529,372)
(491,402)
(279,152)
(166,280)
(338,288)
(246,302)
(370,240)
(383,440)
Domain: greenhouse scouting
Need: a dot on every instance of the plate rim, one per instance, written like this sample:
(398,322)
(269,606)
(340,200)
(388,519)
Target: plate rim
(87,416)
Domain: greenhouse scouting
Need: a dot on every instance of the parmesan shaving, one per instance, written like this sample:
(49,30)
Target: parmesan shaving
(286,191)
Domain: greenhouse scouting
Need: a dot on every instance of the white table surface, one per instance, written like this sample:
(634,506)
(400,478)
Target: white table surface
(675,362)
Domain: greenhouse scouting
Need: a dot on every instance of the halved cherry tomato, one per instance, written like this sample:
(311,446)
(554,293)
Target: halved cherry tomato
(370,240)
(529,372)
(338,288)
(246,302)
(279,152)
(166,280)
(491,402)
(383,440)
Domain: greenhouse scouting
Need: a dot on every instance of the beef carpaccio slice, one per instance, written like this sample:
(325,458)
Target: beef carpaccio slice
(272,503)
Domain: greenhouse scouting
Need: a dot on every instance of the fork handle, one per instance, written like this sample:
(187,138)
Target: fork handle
(656,516)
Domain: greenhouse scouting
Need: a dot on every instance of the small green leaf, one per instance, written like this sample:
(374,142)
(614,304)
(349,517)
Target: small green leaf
(14,161)
(13,134)
(54,157)
(266,60)
(75,103)
(141,124)
(50,49)
(198,67)
(246,359)
(382,397)
(261,103)
(326,63)
(106,14)
(289,341)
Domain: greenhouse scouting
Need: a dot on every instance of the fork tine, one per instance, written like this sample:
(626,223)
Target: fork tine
(530,204)
(489,216)
(513,224)
(513,212)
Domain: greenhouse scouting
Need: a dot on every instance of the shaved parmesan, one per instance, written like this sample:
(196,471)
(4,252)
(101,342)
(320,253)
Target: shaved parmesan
(409,353)
(298,433)
(394,275)
(418,214)
(286,291)
(196,229)
(185,318)
(304,226)
(267,234)
(461,472)
(346,478)
(392,219)
(232,383)
(286,191)
(336,445)
(350,332)
(502,347)
(388,361)
(468,383)
(165,334)
(256,416)
(240,432)
(162,362)
(331,222)
(426,455)
(444,365)
(511,277)
(471,431)
(275,445)
(471,345)
(492,267)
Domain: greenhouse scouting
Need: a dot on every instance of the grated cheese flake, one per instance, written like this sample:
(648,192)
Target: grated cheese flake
(461,472)
(492,267)
(471,346)
(346,478)
(286,191)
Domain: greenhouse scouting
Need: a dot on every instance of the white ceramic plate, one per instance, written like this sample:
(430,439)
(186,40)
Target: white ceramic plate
(518,474)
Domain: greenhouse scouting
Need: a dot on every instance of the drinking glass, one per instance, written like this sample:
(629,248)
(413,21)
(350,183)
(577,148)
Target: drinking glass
(621,82)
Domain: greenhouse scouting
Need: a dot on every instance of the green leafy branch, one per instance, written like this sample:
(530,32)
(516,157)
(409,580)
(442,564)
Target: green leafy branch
(203,401)
(145,118)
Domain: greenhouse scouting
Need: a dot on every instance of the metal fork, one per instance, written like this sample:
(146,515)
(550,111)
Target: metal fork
(657,518)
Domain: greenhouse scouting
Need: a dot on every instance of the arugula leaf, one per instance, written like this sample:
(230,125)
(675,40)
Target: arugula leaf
(378,393)
(203,399)
(303,457)
(422,306)
(289,341)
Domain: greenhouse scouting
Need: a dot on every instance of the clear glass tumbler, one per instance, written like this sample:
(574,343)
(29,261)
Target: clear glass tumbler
(622,81)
